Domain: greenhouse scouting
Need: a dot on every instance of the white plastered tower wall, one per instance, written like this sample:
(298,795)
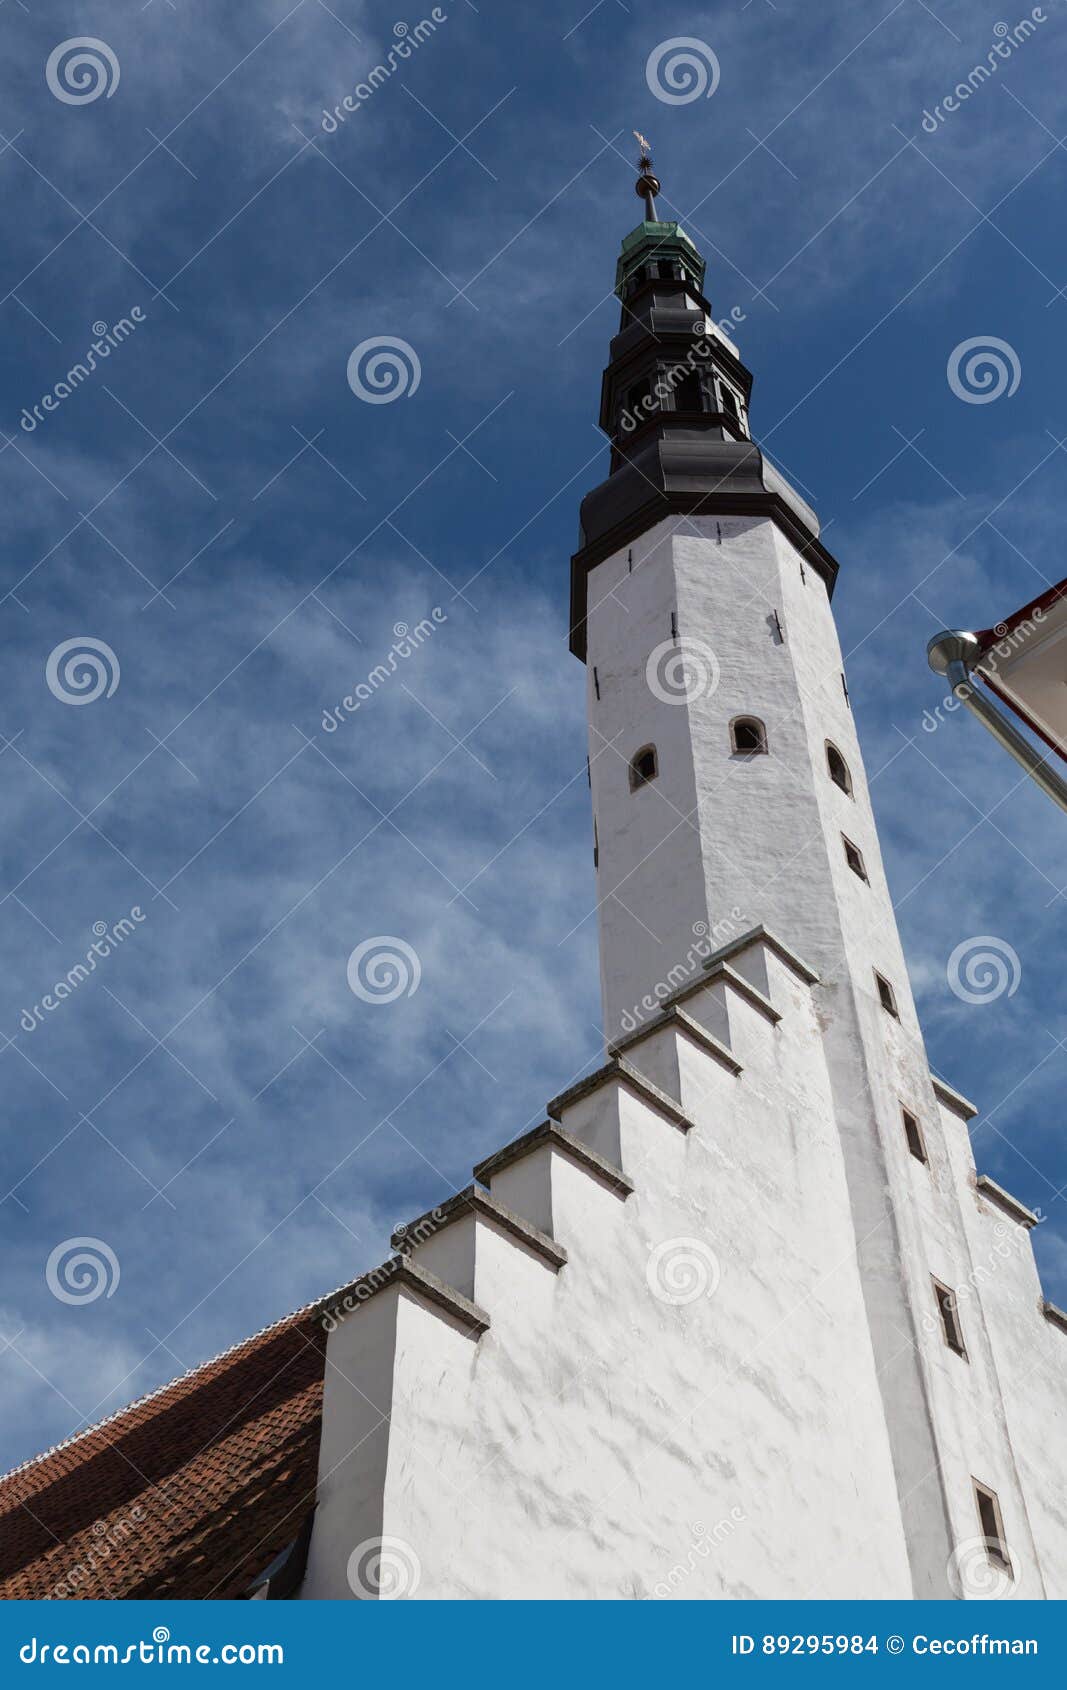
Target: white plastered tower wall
(763,842)
(719,841)
(682,1339)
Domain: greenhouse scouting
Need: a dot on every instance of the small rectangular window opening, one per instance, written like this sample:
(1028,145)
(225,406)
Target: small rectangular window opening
(636,397)
(689,395)
(913,1134)
(950,1318)
(886,995)
(854,858)
(992,1525)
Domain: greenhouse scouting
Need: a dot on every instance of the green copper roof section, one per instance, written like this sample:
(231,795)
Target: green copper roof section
(657,240)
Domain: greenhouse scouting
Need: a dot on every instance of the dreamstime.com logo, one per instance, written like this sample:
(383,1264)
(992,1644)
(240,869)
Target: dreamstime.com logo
(982,369)
(1009,642)
(82,1269)
(682,671)
(701,1546)
(406,642)
(1012,1243)
(385,1569)
(157,1651)
(384,368)
(81,670)
(1005,44)
(680,973)
(107,940)
(409,1235)
(384,968)
(682,70)
(406,41)
(682,1271)
(369,1284)
(982,969)
(107,339)
(665,384)
(108,1535)
(81,69)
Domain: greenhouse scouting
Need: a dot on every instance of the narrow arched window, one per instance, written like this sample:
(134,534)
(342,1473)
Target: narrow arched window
(644,767)
(748,736)
(838,769)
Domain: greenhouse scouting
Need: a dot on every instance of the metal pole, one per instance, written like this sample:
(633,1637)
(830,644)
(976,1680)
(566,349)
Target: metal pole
(953,655)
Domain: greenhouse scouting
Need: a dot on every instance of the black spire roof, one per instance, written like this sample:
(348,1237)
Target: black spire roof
(674,404)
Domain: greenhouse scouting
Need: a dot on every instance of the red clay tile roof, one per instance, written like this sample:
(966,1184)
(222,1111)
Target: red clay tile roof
(190,1492)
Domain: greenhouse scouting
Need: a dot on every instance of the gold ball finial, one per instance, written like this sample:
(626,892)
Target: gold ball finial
(647,185)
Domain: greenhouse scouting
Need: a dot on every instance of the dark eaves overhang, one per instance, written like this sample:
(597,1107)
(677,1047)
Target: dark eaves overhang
(679,477)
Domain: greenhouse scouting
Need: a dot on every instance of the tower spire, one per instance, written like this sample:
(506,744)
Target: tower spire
(674,406)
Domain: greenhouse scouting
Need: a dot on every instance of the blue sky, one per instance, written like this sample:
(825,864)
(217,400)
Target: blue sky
(217,506)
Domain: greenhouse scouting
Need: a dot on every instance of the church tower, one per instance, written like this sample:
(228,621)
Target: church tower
(723,760)
(739,1318)
(730,798)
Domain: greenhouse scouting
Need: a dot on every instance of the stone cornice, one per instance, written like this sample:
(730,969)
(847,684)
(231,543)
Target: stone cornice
(1055,1315)
(761,935)
(619,1072)
(400,1271)
(721,971)
(551,1133)
(744,988)
(995,1193)
(474,1201)
(953,1100)
(674,1015)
